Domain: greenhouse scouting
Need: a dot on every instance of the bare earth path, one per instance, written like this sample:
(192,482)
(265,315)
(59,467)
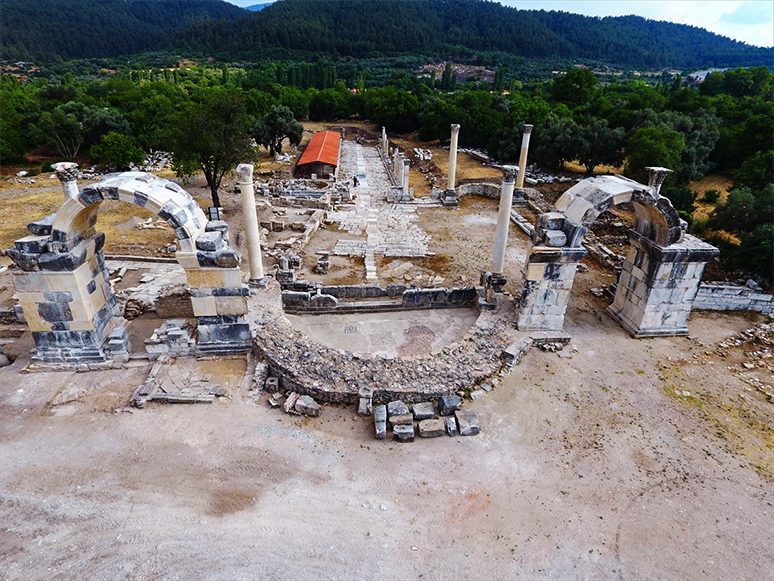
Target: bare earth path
(585,469)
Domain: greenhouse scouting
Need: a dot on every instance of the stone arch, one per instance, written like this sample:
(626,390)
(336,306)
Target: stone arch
(63,283)
(661,273)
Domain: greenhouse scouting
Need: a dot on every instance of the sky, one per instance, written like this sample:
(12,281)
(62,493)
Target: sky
(750,21)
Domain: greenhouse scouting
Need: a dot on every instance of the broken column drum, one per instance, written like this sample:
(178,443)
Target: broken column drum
(63,286)
(661,273)
(244,172)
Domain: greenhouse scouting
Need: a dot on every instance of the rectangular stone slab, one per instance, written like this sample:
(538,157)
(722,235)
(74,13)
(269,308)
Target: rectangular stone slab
(468,423)
(432,428)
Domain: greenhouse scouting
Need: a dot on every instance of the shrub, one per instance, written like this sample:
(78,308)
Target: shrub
(711,197)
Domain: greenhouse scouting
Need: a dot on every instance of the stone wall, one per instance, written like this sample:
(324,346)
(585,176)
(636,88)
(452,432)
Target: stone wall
(332,299)
(334,375)
(732,297)
(480,189)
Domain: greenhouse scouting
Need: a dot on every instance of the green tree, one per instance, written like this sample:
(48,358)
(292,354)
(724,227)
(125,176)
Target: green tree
(652,146)
(60,130)
(756,172)
(574,88)
(276,126)
(600,144)
(117,151)
(557,140)
(211,137)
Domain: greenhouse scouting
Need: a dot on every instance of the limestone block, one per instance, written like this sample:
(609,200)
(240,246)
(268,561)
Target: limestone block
(307,406)
(451,425)
(555,238)
(423,411)
(535,271)
(403,433)
(468,423)
(204,306)
(432,428)
(230,306)
(448,404)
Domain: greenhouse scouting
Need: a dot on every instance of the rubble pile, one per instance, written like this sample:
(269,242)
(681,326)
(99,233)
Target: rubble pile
(758,345)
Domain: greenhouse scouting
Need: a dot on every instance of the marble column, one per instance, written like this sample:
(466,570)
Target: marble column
(384,142)
(523,156)
(503,220)
(66,172)
(405,179)
(455,131)
(244,172)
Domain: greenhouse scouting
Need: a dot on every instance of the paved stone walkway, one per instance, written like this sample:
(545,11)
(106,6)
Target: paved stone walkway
(390,229)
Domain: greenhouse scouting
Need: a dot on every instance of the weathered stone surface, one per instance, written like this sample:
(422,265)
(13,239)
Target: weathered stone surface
(290,403)
(468,422)
(43,226)
(210,241)
(451,425)
(401,420)
(555,238)
(365,406)
(397,408)
(448,404)
(432,428)
(403,433)
(380,413)
(423,411)
(307,406)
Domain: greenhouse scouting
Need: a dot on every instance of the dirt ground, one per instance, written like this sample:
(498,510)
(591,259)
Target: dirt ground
(615,459)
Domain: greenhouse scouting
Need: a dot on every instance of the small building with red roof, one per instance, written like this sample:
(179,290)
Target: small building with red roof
(321,156)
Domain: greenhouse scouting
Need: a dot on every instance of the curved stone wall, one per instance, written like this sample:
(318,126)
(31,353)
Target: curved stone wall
(334,375)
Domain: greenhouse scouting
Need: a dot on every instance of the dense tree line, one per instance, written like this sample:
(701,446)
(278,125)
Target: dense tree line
(207,116)
(50,30)
(459,28)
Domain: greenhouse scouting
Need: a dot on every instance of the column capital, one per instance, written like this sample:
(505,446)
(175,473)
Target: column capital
(528,128)
(65,171)
(656,177)
(244,172)
(509,172)
(455,128)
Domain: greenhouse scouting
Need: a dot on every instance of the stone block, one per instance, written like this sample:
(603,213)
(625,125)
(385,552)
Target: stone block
(307,406)
(290,403)
(555,238)
(210,241)
(468,423)
(448,404)
(403,433)
(451,425)
(43,226)
(33,244)
(432,428)
(535,271)
(397,408)
(365,406)
(423,411)
(401,420)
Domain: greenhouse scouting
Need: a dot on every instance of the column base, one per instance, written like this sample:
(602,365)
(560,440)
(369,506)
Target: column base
(641,333)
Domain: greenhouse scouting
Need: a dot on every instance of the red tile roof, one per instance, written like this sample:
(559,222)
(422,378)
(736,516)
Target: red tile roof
(323,148)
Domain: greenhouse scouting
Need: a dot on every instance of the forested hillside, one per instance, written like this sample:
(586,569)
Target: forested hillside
(457,28)
(45,30)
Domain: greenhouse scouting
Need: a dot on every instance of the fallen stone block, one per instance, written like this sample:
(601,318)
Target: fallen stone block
(448,404)
(451,425)
(307,406)
(397,408)
(380,422)
(402,420)
(365,406)
(468,423)
(403,433)
(290,402)
(432,428)
(423,411)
